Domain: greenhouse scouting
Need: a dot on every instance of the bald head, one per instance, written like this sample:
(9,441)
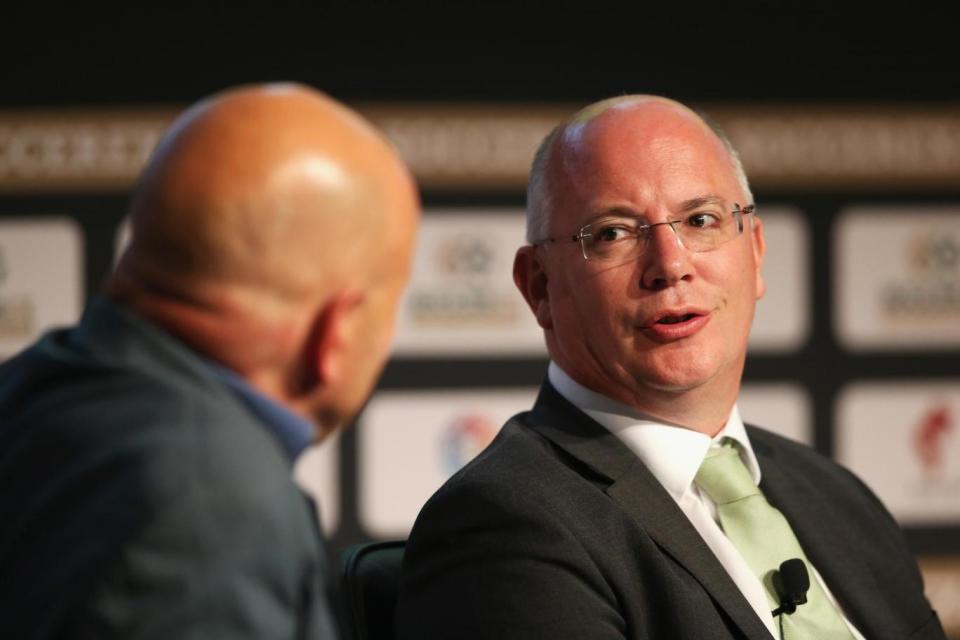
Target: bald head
(255,189)
(655,112)
(260,207)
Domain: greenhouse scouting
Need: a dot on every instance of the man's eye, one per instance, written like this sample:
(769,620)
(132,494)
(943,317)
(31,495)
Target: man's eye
(703,220)
(612,233)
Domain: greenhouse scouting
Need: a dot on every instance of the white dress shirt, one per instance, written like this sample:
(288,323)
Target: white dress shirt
(674,454)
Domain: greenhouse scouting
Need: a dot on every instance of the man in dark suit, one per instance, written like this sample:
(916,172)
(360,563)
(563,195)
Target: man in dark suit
(145,454)
(632,501)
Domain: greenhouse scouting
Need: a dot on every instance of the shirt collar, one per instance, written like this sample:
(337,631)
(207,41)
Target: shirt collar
(294,432)
(672,452)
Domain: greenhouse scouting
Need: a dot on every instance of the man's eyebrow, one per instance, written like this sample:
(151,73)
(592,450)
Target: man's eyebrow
(627,211)
(696,203)
(611,211)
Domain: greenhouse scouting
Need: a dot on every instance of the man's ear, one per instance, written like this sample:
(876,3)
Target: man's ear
(759,244)
(327,345)
(531,279)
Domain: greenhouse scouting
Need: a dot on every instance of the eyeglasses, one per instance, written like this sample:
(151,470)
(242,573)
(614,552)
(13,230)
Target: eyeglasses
(623,237)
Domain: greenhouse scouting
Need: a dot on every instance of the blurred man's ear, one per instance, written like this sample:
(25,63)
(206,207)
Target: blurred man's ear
(327,346)
(759,244)
(531,279)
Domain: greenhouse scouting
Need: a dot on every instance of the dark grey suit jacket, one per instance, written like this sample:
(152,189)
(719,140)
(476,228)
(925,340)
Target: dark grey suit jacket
(140,498)
(557,530)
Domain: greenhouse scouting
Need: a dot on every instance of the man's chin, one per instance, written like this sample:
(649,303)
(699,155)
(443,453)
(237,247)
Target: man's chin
(674,382)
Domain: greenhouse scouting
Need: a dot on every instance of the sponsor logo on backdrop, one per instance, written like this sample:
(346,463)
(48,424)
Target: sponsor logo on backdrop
(932,284)
(41,278)
(465,437)
(16,311)
(898,277)
(410,442)
(902,439)
(16,318)
(930,437)
(934,449)
(465,261)
(461,298)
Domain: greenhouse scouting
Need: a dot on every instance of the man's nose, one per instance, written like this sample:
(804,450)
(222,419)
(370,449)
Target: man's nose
(665,261)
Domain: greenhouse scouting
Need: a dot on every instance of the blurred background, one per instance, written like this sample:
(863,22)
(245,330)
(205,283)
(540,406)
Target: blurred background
(847,120)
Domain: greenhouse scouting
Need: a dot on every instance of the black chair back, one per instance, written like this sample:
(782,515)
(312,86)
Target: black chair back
(370,583)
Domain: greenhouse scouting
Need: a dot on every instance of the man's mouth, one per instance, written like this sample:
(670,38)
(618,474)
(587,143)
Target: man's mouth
(676,325)
(676,319)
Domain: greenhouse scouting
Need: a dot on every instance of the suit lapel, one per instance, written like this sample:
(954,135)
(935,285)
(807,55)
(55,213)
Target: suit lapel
(642,496)
(637,492)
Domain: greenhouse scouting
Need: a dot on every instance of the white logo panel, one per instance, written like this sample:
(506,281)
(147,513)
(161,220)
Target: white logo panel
(411,442)
(41,279)
(317,471)
(903,440)
(897,282)
(784,409)
(461,298)
(782,321)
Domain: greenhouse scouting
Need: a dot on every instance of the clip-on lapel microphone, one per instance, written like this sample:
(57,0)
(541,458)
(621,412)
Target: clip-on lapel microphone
(792,582)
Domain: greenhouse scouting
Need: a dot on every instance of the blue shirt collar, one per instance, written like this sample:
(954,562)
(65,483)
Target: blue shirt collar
(293,432)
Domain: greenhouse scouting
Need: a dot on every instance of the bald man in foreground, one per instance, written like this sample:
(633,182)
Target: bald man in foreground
(145,454)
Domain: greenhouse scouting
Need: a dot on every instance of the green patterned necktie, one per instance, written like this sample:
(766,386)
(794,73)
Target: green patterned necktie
(764,538)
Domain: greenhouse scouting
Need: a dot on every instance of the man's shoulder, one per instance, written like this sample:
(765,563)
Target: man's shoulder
(77,398)
(112,456)
(771,446)
(766,439)
(517,453)
(147,482)
(802,464)
(521,477)
(68,413)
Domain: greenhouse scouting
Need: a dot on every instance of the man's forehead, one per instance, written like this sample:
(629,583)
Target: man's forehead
(651,132)
(639,121)
(627,162)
